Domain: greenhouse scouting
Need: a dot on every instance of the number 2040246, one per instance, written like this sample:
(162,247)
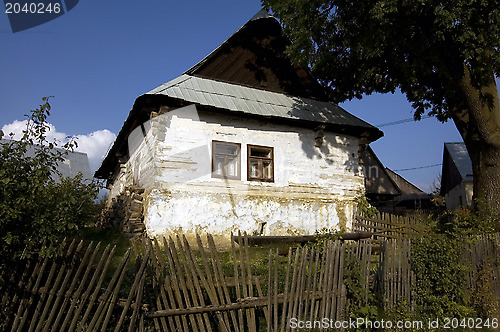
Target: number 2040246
(32,8)
(470,323)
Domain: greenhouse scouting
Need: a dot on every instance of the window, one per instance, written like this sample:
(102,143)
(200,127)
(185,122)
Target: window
(260,163)
(226,160)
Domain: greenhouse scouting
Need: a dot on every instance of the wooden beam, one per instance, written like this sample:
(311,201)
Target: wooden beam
(265,240)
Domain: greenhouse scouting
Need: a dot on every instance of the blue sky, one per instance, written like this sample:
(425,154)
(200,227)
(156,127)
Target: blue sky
(99,57)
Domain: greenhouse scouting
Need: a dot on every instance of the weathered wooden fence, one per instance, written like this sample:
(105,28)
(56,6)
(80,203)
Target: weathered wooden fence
(194,292)
(395,276)
(387,226)
(170,284)
(75,291)
(483,254)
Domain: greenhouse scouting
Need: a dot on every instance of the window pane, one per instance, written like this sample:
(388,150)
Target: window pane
(232,166)
(219,165)
(254,169)
(260,152)
(226,149)
(268,169)
(226,160)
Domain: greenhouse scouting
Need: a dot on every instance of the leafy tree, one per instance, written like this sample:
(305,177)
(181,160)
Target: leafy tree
(443,55)
(36,207)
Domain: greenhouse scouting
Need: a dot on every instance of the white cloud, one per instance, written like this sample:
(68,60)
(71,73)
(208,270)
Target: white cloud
(95,144)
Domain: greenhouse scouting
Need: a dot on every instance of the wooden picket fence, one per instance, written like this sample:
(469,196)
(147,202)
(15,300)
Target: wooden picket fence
(306,285)
(171,284)
(395,277)
(483,280)
(387,226)
(75,291)
(173,287)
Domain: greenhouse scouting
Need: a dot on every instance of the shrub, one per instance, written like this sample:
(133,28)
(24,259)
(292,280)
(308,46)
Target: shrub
(37,208)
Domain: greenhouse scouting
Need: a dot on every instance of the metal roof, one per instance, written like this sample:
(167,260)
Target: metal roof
(248,100)
(460,157)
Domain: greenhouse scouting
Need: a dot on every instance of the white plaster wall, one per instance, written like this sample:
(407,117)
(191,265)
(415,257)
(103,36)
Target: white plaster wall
(313,187)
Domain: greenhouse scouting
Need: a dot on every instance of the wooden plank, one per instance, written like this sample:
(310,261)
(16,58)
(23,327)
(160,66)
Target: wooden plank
(331,253)
(111,304)
(62,290)
(308,284)
(252,302)
(269,290)
(209,284)
(264,240)
(315,273)
(23,284)
(90,291)
(36,275)
(237,284)
(166,284)
(77,278)
(291,294)
(137,281)
(159,288)
(44,291)
(300,284)
(178,284)
(275,297)
(219,277)
(251,321)
(193,279)
(340,283)
(186,283)
(285,304)
(105,297)
(138,302)
(244,281)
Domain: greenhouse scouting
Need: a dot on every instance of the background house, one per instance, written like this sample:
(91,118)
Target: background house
(74,162)
(456,176)
(244,140)
(389,191)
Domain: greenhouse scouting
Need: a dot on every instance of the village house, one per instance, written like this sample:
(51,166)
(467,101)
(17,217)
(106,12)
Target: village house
(73,163)
(244,140)
(390,192)
(456,176)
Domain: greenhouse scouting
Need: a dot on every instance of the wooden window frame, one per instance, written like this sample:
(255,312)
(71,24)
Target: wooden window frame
(238,158)
(260,159)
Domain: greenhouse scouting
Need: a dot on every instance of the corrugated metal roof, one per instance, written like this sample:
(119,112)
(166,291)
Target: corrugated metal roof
(248,100)
(460,156)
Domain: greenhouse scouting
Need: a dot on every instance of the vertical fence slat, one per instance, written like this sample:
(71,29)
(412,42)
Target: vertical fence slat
(171,292)
(194,282)
(210,286)
(93,293)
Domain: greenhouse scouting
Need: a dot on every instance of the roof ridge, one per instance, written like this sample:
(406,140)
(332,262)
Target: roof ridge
(259,15)
(169,84)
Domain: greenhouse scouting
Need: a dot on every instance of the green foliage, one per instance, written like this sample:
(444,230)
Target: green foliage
(465,222)
(323,236)
(443,55)
(419,47)
(360,297)
(364,207)
(35,208)
(440,277)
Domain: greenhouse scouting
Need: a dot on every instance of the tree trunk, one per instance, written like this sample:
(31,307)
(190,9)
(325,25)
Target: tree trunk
(479,126)
(486,170)
(487,179)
